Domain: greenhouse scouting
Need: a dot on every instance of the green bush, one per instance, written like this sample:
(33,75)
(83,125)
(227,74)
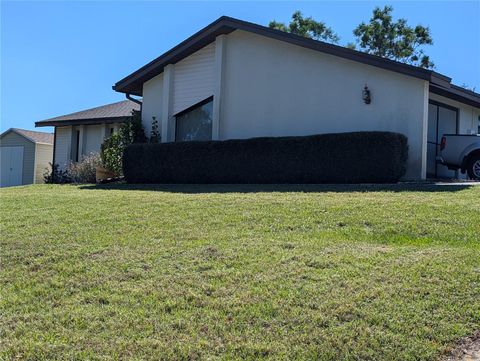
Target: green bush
(111,153)
(360,157)
(112,148)
(132,131)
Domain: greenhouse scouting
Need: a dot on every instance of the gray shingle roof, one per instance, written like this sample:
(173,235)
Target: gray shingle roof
(120,109)
(36,137)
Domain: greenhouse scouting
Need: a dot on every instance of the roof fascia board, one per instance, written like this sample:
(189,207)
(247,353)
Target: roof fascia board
(335,50)
(93,121)
(189,46)
(457,95)
(440,79)
(42,143)
(225,25)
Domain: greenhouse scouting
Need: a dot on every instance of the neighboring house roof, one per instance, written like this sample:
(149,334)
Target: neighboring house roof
(109,113)
(133,83)
(33,136)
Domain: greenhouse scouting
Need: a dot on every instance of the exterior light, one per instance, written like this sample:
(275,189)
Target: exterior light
(366,95)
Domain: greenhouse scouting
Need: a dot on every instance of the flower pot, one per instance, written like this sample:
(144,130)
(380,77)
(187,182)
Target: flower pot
(102,174)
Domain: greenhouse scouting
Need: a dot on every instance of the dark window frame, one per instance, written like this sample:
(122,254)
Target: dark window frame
(457,124)
(75,155)
(190,108)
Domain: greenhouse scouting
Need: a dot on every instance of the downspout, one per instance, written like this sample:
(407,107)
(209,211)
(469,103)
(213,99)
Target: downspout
(129,97)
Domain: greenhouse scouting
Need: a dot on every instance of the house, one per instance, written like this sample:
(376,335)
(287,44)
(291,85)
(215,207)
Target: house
(235,79)
(24,156)
(82,133)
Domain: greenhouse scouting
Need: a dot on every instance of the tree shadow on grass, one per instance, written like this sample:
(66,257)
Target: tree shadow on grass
(283,188)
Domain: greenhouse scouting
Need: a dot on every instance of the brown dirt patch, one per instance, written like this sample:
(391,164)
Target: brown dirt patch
(468,349)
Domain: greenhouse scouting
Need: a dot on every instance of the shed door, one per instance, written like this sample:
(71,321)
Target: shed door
(11,166)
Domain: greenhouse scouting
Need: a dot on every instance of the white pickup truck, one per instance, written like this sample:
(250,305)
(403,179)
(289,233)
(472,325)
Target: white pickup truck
(459,151)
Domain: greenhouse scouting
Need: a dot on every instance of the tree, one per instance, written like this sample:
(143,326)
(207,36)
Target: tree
(306,27)
(394,40)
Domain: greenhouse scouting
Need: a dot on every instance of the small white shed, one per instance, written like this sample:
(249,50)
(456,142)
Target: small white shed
(24,156)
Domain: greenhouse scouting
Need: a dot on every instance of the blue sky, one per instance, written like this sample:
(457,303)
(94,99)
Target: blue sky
(59,57)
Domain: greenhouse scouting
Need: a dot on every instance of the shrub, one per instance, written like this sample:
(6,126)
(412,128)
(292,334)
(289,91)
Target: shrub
(55,175)
(132,131)
(112,148)
(155,133)
(84,171)
(359,157)
(111,152)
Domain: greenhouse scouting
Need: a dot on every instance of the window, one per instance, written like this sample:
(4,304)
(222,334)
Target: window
(478,130)
(112,130)
(195,123)
(75,146)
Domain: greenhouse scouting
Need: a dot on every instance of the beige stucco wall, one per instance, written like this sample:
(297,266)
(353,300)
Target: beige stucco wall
(12,139)
(152,102)
(272,88)
(268,87)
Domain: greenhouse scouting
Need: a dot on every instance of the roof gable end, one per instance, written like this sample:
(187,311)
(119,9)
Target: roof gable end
(133,83)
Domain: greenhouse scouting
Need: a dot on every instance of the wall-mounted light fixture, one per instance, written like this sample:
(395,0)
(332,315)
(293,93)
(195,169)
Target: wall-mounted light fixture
(366,95)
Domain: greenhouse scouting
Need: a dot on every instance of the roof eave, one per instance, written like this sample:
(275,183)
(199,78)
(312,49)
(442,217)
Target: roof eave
(30,139)
(133,83)
(462,96)
(195,42)
(91,121)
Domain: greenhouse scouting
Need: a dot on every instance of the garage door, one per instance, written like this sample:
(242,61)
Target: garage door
(11,166)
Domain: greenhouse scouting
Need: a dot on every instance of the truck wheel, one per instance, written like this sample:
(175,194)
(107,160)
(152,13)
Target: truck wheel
(473,166)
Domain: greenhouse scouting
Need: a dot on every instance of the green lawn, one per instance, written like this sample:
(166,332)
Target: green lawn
(238,272)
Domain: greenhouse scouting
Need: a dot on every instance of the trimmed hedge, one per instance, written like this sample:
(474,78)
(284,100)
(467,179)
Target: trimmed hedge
(360,157)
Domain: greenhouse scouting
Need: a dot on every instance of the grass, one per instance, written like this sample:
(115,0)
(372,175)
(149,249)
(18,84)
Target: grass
(238,272)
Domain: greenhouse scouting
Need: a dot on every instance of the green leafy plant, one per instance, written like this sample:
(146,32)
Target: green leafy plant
(307,27)
(155,134)
(111,153)
(112,148)
(381,36)
(394,40)
(55,175)
(132,131)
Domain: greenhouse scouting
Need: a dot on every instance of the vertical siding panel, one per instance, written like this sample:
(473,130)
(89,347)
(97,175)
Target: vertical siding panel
(43,156)
(93,139)
(194,78)
(63,146)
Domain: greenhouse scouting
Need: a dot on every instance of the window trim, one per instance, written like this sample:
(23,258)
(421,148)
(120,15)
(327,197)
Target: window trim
(190,108)
(76,156)
(196,105)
